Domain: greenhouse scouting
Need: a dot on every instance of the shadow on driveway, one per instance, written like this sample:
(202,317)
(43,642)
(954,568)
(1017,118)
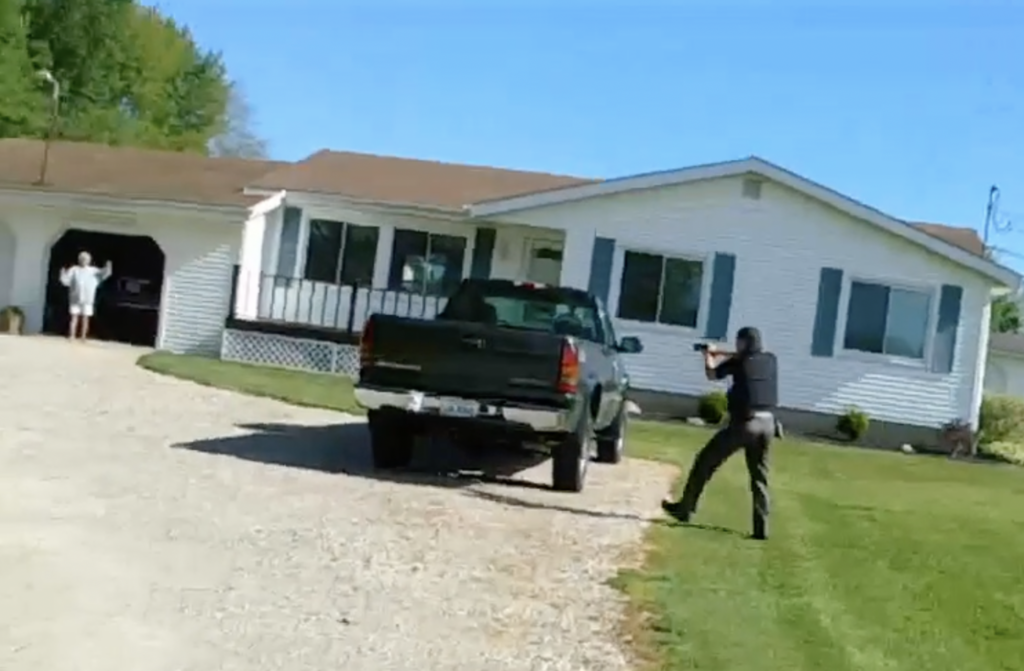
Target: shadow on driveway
(518,502)
(345,448)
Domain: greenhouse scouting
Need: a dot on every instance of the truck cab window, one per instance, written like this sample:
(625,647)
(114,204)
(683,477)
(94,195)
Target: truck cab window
(550,310)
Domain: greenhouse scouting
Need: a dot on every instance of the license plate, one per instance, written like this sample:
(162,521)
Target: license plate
(459,409)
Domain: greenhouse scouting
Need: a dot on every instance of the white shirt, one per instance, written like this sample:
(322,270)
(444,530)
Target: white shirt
(82,282)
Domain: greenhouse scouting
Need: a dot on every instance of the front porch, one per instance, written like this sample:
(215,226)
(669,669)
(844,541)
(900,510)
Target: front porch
(308,279)
(317,275)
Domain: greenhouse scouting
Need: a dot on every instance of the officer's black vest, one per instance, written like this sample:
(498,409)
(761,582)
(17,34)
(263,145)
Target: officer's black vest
(755,385)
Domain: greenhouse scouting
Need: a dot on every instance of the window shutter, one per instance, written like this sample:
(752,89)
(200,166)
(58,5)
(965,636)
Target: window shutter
(830,286)
(944,351)
(483,252)
(601,268)
(720,305)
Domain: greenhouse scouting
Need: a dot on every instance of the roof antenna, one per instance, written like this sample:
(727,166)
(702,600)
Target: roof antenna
(54,111)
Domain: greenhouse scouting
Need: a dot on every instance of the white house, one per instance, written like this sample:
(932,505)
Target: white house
(170,223)
(863,309)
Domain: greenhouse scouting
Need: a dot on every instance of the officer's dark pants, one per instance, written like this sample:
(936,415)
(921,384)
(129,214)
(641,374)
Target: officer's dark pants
(753,436)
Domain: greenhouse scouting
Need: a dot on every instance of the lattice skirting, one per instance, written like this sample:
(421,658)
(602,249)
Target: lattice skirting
(275,350)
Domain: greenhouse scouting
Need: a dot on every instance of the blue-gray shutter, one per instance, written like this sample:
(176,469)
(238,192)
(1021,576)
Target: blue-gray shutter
(944,350)
(601,268)
(483,252)
(723,273)
(830,286)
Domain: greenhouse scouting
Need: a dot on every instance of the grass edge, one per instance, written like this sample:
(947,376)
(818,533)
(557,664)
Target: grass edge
(633,630)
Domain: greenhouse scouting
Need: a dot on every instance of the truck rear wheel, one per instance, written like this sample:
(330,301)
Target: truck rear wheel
(391,440)
(611,442)
(570,457)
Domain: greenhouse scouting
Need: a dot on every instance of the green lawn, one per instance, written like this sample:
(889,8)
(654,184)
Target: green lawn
(298,388)
(877,560)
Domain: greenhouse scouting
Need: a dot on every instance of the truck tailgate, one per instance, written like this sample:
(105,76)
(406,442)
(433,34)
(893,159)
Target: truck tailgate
(464,359)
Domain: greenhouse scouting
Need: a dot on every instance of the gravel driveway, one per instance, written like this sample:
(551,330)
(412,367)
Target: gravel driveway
(148,523)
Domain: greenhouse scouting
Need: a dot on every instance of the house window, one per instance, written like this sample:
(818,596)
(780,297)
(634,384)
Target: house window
(887,320)
(340,253)
(660,289)
(426,263)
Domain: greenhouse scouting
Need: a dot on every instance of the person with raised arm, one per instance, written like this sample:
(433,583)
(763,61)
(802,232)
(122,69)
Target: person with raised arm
(82,282)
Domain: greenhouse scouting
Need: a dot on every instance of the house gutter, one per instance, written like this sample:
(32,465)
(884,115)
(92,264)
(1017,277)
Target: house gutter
(35,197)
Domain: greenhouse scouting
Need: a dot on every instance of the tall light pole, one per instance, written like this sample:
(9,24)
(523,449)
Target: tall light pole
(54,111)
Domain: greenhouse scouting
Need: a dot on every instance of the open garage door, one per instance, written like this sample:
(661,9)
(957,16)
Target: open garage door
(128,303)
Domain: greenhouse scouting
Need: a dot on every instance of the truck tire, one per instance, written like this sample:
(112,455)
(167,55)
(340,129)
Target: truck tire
(611,443)
(570,457)
(391,440)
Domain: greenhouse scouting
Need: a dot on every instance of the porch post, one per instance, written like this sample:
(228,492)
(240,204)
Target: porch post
(483,252)
(579,247)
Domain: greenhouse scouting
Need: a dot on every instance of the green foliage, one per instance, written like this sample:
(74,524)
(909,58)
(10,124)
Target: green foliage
(129,75)
(12,319)
(1005,315)
(1002,427)
(713,406)
(22,106)
(1002,418)
(853,424)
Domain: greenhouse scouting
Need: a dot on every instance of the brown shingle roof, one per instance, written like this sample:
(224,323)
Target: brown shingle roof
(405,181)
(962,237)
(125,172)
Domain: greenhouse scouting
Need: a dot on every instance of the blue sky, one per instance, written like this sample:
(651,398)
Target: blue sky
(913,106)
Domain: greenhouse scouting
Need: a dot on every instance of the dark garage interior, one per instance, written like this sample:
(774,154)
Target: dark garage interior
(127,303)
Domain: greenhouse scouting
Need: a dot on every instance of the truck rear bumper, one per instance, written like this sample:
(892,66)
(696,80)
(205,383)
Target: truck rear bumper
(537,418)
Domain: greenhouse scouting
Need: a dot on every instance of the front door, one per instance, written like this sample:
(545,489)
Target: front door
(543,262)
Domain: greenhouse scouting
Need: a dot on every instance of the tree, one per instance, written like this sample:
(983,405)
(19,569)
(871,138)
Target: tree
(82,42)
(179,94)
(22,104)
(1005,315)
(239,139)
(129,75)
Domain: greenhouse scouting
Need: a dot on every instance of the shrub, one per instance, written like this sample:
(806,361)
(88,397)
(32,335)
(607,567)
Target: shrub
(713,407)
(853,424)
(1002,427)
(1005,451)
(1002,419)
(12,320)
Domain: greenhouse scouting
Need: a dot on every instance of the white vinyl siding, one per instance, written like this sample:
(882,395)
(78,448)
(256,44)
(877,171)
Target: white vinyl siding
(781,242)
(196,294)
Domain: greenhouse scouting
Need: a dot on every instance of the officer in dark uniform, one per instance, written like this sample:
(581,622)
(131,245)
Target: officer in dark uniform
(753,397)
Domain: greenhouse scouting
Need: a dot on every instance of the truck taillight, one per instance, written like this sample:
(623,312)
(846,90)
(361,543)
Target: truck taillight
(366,344)
(569,368)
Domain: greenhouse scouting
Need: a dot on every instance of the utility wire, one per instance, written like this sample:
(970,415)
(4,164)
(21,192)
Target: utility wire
(995,221)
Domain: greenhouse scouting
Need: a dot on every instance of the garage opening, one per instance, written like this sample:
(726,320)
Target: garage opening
(127,303)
